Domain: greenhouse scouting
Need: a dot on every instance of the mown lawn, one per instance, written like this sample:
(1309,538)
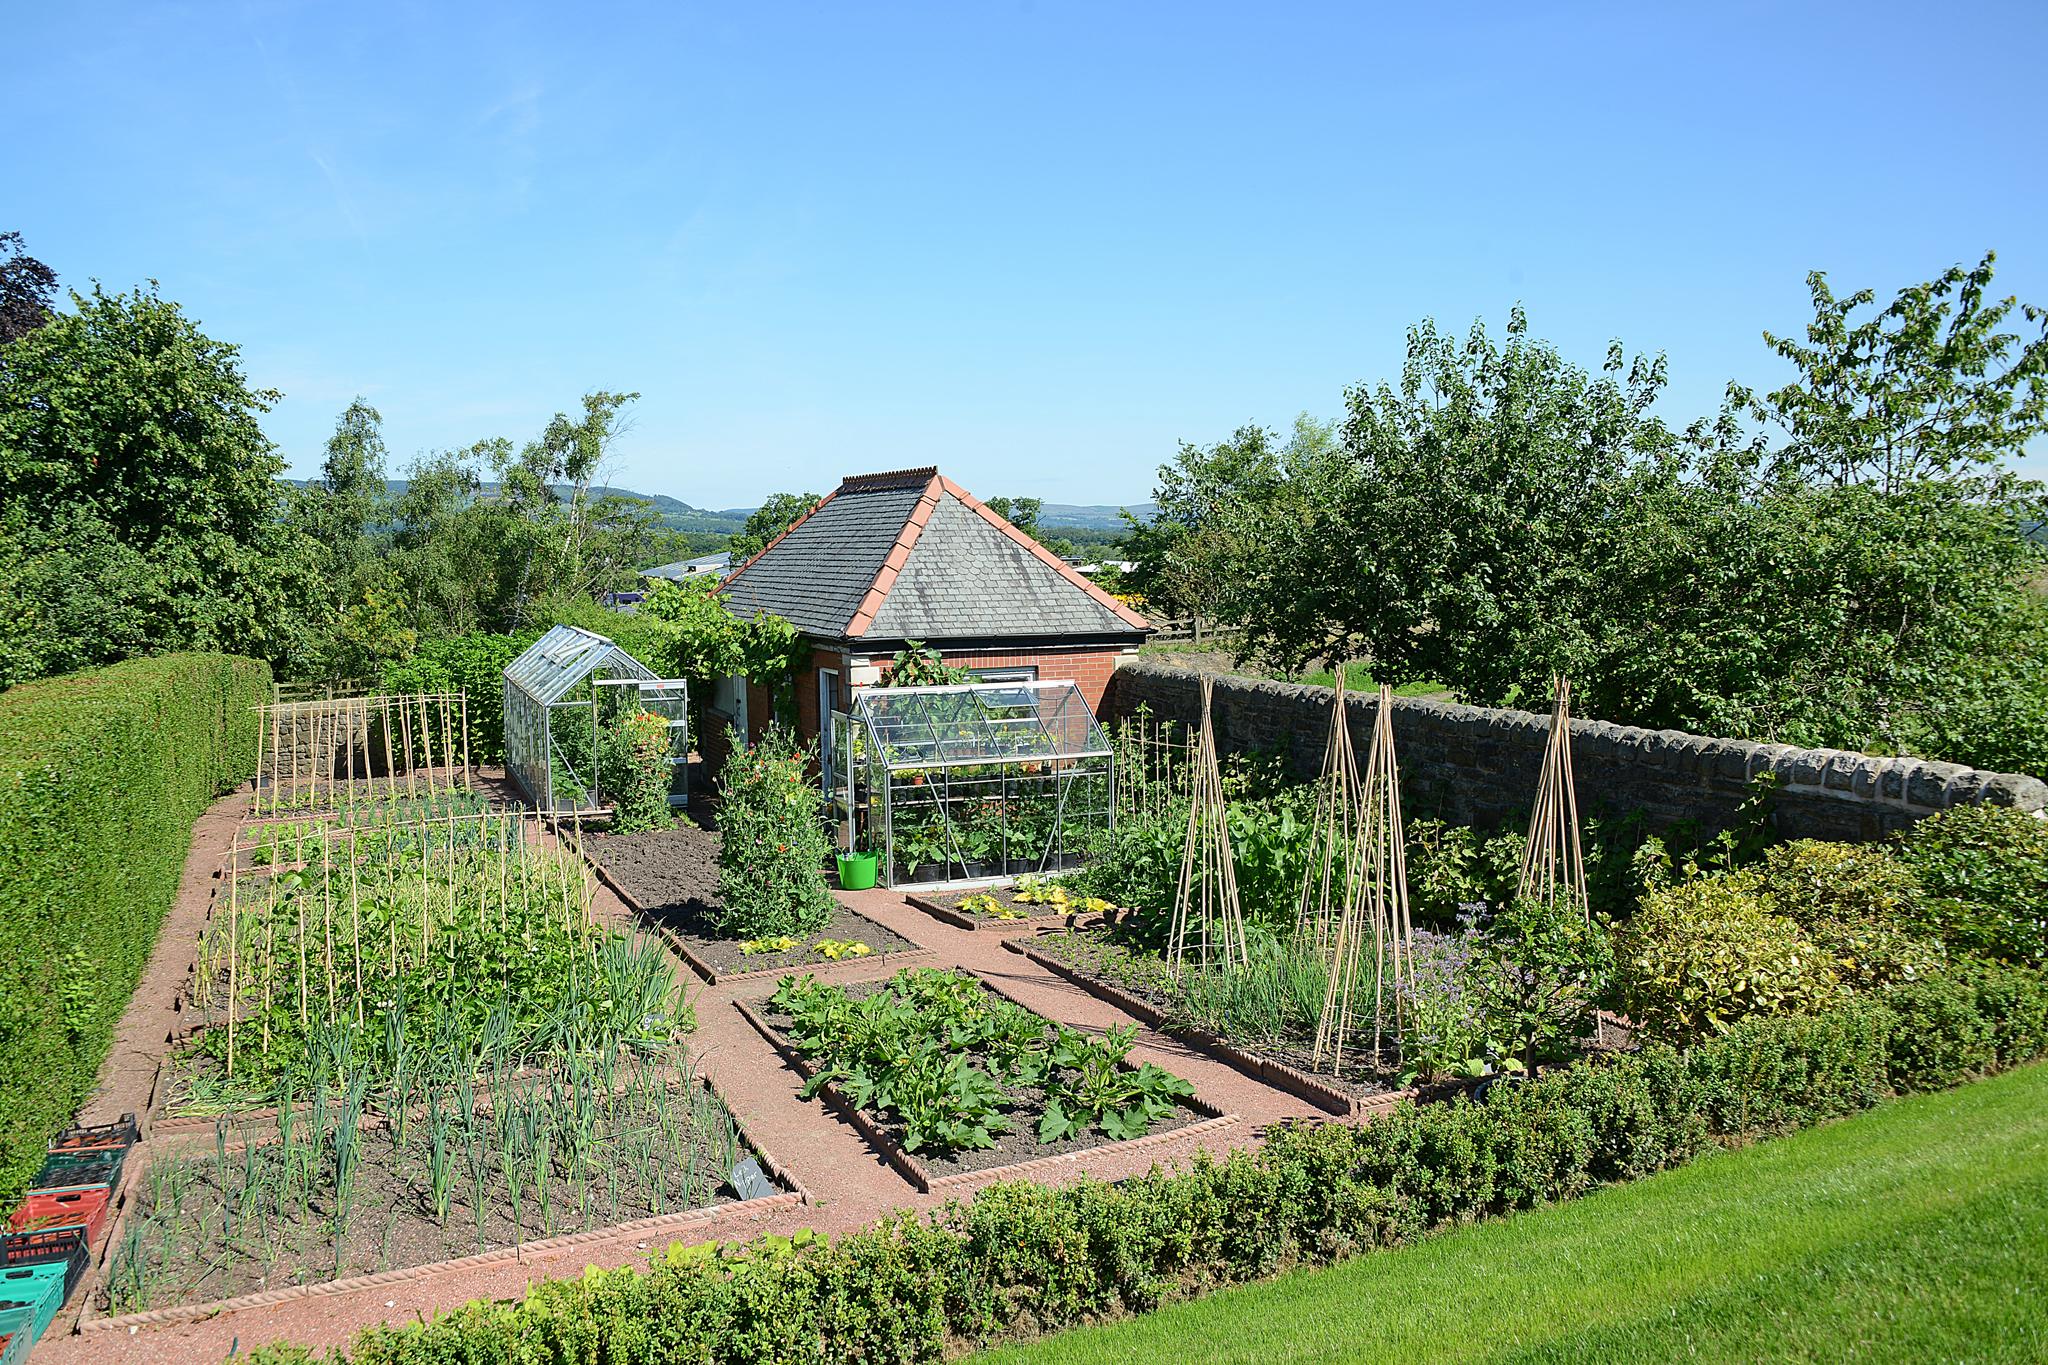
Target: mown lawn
(1917,1232)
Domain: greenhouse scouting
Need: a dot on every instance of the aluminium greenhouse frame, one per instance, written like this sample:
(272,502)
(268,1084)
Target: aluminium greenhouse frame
(971,781)
(559,697)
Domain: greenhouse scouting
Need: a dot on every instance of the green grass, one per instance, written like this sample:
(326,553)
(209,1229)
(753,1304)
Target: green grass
(1916,1232)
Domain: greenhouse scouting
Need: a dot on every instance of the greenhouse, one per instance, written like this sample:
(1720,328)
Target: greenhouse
(978,780)
(564,700)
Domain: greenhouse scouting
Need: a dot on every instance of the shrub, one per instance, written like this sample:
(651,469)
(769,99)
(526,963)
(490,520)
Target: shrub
(1859,904)
(1984,874)
(101,777)
(1702,955)
(1538,967)
(773,848)
(1023,1258)
(641,782)
(1451,866)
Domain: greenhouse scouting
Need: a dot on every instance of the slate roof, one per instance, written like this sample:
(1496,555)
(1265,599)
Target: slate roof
(910,555)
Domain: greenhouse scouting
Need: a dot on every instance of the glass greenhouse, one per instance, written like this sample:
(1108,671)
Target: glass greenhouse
(564,699)
(978,780)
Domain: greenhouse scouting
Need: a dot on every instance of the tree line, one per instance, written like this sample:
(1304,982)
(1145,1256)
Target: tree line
(1848,560)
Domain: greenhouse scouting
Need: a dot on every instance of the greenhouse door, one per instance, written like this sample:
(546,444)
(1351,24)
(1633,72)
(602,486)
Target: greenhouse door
(669,698)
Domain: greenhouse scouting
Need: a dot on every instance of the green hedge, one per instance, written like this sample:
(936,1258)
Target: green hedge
(101,777)
(1023,1258)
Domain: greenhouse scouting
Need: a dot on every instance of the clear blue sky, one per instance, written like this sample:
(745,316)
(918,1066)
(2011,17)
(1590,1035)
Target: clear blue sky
(1037,244)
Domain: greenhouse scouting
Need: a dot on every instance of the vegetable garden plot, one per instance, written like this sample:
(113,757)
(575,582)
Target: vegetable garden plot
(1028,903)
(413,952)
(670,876)
(1267,1011)
(330,1192)
(961,1079)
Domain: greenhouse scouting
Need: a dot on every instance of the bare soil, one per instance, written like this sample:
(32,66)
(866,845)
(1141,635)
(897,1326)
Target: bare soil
(671,877)
(191,1241)
(1006,897)
(1023,1109)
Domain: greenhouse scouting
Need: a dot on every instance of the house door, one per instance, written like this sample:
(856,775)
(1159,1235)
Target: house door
(828,702)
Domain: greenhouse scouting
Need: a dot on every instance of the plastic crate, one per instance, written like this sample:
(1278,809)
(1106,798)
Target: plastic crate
(18,1320)
(61,1255)
(92,1166)
(83,1206)
(14,1347)
(39,1286)
(39,1248)
(119,1135)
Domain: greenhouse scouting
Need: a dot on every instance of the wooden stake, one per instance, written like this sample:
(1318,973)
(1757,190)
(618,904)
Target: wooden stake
(234,897)
(355,920)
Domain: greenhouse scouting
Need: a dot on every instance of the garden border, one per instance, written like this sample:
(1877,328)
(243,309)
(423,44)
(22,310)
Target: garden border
(91,1319)
(924,1181)
(1300,1084)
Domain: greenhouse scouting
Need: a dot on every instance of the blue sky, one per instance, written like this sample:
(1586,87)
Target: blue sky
(1037,244)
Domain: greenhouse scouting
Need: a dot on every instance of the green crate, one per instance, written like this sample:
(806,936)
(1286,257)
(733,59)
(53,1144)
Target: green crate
(14,1347)
(81,1168)
(42,1286)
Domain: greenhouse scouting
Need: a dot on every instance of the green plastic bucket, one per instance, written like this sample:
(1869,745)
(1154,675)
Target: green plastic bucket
(856,871)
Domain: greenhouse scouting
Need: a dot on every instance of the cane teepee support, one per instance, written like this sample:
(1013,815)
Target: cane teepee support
(1375,896)
(1208,920)
(1553,864)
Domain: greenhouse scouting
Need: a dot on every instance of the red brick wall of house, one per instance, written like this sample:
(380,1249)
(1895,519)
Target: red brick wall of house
(1090,667)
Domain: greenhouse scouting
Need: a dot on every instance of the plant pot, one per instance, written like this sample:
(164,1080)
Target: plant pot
(856,871)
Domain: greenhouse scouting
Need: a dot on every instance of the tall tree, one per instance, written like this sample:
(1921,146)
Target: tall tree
(124,422)
(1928,387)
(27,289)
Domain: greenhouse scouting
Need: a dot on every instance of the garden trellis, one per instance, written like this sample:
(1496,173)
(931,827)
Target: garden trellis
(972,780)
(330,752)
(1553,863)
(1208,919)
(563,699)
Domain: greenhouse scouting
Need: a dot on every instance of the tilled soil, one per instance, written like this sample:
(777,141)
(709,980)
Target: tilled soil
(1006,897)
(1025,1106)
(191,1240)
(671,876)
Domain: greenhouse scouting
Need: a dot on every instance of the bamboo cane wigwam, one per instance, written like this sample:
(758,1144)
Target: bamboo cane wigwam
(1553,863)
(1372,904)
(1208,919)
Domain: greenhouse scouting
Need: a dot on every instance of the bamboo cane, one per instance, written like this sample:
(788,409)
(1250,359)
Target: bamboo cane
(234,927)
(355,922)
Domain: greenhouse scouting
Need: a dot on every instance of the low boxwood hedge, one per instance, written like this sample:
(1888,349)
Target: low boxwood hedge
(1023,1258)
(101,777)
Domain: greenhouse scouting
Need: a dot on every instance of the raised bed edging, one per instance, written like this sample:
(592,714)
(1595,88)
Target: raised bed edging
(924,1181)
(959,920)
(738,1211)
(1279,1075)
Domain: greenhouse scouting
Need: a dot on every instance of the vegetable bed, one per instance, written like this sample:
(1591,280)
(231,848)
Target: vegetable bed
(960,1079)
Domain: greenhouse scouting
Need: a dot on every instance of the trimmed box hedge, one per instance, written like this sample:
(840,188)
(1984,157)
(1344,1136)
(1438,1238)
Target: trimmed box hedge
(1022,1258)
(101,777)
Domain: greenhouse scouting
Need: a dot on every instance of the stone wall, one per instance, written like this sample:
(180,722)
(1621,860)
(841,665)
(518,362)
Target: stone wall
(1478,766)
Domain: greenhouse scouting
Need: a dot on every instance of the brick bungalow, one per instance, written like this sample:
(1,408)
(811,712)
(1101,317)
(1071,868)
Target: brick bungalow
(910,555)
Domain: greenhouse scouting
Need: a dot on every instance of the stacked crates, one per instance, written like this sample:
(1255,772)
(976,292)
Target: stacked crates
(49,1238)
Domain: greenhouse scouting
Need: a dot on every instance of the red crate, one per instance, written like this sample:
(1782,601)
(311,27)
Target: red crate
(81,1206)
(100,1137)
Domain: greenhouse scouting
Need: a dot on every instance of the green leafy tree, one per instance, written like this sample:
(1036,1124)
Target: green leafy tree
(780,512)
(27,287)
(130,445)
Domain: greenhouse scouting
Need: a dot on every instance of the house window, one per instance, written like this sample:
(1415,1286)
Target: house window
(1017,673)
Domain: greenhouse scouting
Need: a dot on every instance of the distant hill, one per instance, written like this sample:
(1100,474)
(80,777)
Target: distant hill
(1093,518)
(678,515)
